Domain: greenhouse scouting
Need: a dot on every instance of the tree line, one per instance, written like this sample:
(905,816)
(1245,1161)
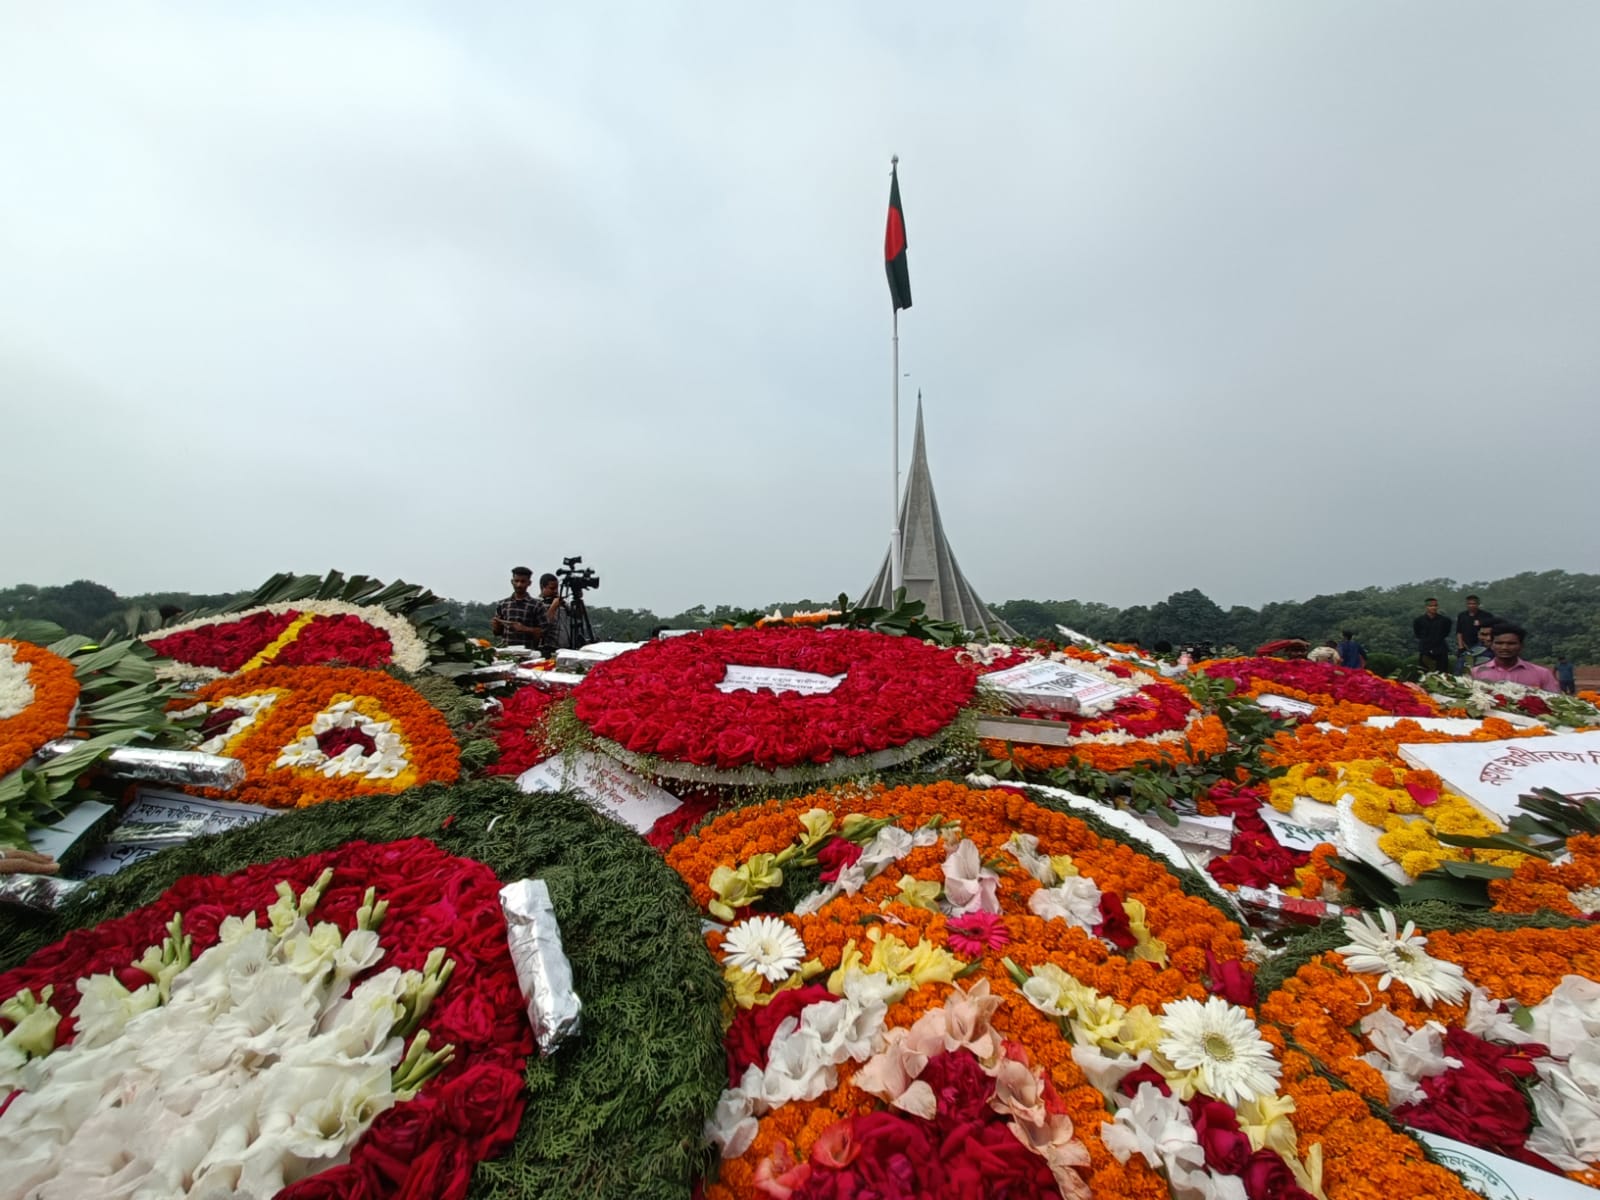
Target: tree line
(1560,610)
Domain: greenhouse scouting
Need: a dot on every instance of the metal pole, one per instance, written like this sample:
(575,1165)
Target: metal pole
(896,570)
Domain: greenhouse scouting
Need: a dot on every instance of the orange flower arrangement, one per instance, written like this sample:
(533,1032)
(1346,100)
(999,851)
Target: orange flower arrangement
(1542,885)
(427,751)
(1169,964)
(1204,737)
(1322,1005)
(1362,1157)
(44,717)
(1309,744)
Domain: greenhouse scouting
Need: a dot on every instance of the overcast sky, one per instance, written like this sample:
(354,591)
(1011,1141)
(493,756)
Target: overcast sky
(1266,299)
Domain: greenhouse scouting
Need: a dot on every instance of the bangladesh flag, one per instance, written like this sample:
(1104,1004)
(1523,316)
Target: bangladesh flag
(894,247)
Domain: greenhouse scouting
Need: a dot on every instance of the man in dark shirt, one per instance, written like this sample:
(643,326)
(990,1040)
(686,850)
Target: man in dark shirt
(519,619)
(1352,653)
(1469,623)
(1432,630)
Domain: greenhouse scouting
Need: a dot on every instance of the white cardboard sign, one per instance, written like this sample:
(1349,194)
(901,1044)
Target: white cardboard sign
(611,788)
(1055,686)
(777,679)
(1497,1178)
(1494,774)
(1292,834)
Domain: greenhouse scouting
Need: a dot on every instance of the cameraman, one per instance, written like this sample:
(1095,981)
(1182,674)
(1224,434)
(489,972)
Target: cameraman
(553,615)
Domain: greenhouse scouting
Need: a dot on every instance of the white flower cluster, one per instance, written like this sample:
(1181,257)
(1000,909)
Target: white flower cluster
(230,1076)
(386,761)
(16,693)
(803,1056)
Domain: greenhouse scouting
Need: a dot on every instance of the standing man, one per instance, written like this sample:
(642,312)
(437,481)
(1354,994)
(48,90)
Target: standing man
(1432,631)
(1468,623)
(1567,676)
(1352,653)
(519,619)
(1509,666)
(551,615)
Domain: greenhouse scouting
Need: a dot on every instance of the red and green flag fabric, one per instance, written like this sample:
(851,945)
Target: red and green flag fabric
(894,247)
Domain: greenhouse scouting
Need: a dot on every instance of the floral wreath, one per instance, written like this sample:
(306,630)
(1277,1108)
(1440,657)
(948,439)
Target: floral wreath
(662,701)
(519,730)
(1482,698)
(1410,806)
(323,1022)
(601,1119)
(307,735)
(294,634)
(1483,1034)
(38,691)
(1338,694)
(937,989)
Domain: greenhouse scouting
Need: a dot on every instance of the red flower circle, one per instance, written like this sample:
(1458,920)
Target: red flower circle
(663,700)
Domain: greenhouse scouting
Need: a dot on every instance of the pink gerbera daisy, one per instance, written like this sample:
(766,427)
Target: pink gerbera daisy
(976,932)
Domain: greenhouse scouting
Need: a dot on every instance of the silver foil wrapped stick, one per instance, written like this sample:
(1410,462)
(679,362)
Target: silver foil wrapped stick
(161,766)
(43,893)
(543,971)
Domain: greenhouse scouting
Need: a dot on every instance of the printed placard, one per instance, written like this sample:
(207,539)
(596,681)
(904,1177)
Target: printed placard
(1496,1178)
(1292,834)
(610,787)
(175,810)
(1057,687)
(777,679)
(1494,774)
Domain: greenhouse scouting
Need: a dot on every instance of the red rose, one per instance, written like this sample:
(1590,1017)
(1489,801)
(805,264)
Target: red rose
(385,1153)
(441,1172)
(483,1104)
(1142,1074)
(1114,925)
(960,1086)
(344,1182)
(1267,1177)
(836,854)
(1230,980)
(1227,1147)
(1472,1105)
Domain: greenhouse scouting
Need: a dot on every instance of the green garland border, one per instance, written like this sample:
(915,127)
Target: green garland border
(616,1113)
(955,745)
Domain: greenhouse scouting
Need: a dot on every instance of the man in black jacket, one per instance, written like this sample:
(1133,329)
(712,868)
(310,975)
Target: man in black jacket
(1432,630)
(1469,624)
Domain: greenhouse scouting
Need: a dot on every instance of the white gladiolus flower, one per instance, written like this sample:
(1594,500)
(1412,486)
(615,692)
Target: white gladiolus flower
(256,1072)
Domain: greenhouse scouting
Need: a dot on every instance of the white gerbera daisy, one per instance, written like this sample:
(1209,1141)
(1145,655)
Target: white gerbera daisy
(1219,1045)
(766,946)
(1394,953)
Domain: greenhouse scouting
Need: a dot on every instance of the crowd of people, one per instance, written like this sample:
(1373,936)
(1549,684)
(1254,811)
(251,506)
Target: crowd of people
(1490,648)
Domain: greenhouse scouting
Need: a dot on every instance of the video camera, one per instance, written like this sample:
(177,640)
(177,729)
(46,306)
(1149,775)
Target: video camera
(574,581)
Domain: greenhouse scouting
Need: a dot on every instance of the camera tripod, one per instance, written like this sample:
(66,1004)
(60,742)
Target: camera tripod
(579,631)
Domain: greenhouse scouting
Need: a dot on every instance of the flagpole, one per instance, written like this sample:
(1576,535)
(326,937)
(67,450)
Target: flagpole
(896,570)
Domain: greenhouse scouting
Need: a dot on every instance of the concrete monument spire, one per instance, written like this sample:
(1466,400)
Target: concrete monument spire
(931,573)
